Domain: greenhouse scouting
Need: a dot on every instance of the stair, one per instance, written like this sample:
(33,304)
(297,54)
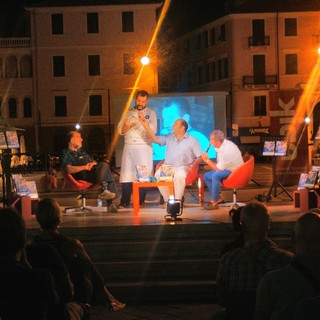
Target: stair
(162,263)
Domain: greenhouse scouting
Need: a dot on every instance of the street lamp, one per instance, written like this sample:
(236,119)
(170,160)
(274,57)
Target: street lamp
(145,60)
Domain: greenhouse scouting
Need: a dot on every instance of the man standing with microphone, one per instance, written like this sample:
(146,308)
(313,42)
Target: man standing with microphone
(137,144)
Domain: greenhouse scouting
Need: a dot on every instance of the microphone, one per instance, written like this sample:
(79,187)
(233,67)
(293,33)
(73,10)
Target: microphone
(208,147)
(139,108)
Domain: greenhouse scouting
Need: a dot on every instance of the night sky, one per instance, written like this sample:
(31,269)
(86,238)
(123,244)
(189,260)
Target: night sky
(183,16)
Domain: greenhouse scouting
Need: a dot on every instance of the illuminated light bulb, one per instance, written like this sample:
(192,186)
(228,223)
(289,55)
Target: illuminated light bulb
(307,119)
(77,126)
(145,60)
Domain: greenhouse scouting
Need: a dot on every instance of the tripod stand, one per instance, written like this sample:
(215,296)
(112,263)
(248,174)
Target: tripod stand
(276,183)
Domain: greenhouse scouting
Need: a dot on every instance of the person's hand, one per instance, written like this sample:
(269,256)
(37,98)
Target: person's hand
(90,165)
(141,117)
(205,157)
(127,123)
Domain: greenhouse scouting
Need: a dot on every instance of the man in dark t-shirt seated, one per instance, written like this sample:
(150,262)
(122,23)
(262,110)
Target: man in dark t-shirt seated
(76,161)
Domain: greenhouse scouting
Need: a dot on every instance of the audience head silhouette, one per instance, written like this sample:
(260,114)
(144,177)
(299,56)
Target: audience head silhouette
(255,221)
(306,235)
(12,233)
(48,214)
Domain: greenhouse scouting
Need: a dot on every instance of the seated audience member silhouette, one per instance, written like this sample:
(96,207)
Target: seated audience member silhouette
(238,242)
(240,270)
(76,161)
(26,293)
(281,291)
(88,283)
(308,309)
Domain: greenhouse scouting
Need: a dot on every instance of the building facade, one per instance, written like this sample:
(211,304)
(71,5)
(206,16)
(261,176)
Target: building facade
(77,57)
(253,56)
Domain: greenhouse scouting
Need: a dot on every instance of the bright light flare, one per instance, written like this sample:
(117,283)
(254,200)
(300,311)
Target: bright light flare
(145,60)
(152,41)
(77,126)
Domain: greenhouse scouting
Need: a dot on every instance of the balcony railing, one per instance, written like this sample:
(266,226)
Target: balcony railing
(15,42)
(260,80)
(262,41)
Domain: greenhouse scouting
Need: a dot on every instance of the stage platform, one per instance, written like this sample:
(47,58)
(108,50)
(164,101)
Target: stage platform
(166,269)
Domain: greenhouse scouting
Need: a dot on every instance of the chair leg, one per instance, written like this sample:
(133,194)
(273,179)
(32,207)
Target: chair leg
(82,208)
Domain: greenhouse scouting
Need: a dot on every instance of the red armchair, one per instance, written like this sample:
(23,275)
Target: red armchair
(82,186)
(240,177)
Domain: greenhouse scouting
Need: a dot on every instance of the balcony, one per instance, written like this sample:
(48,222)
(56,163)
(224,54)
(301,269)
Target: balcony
(261,82)
(15,42)
(259,41)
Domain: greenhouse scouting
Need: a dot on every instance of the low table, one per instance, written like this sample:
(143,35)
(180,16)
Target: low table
(137,185)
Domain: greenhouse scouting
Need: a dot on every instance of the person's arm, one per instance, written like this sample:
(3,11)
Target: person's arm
(209,162)
(74,169)
(195,163)
(125,127)
(146,124)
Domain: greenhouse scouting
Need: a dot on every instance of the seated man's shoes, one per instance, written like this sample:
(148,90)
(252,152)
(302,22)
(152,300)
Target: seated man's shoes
(112,208)
(211,206)
(117,306)
(163,205)
(123,206)
(106,194)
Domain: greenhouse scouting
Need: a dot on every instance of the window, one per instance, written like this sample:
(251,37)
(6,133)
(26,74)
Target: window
(291,63)
(1,107)
(127,21)
(58,66)
(96,140)
(95,105)
(290,27)
(1,69)
(260,106)
(223,69)
(92,22)
(128,64)
(27,108)
(222,36)
(206,39)
(200,75)
(212,37)
(198,41)
(60,106)
(259,68)
(94,65)
(57,23)
(213,71)
(12,104)
(258,32)
(26,67)
(11,67)
(208,72)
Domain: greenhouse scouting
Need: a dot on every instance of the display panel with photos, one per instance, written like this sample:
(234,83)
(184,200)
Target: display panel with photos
(3,141)
(12,139)
(274,146)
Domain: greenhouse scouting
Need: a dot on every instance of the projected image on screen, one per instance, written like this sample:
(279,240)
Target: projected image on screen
(204,112)
(196,111)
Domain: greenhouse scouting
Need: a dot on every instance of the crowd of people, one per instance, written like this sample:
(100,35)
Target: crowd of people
(183,152)
(53,277)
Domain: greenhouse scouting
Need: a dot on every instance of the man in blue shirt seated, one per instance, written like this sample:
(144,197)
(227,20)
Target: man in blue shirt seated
(76,161)
(182,152)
